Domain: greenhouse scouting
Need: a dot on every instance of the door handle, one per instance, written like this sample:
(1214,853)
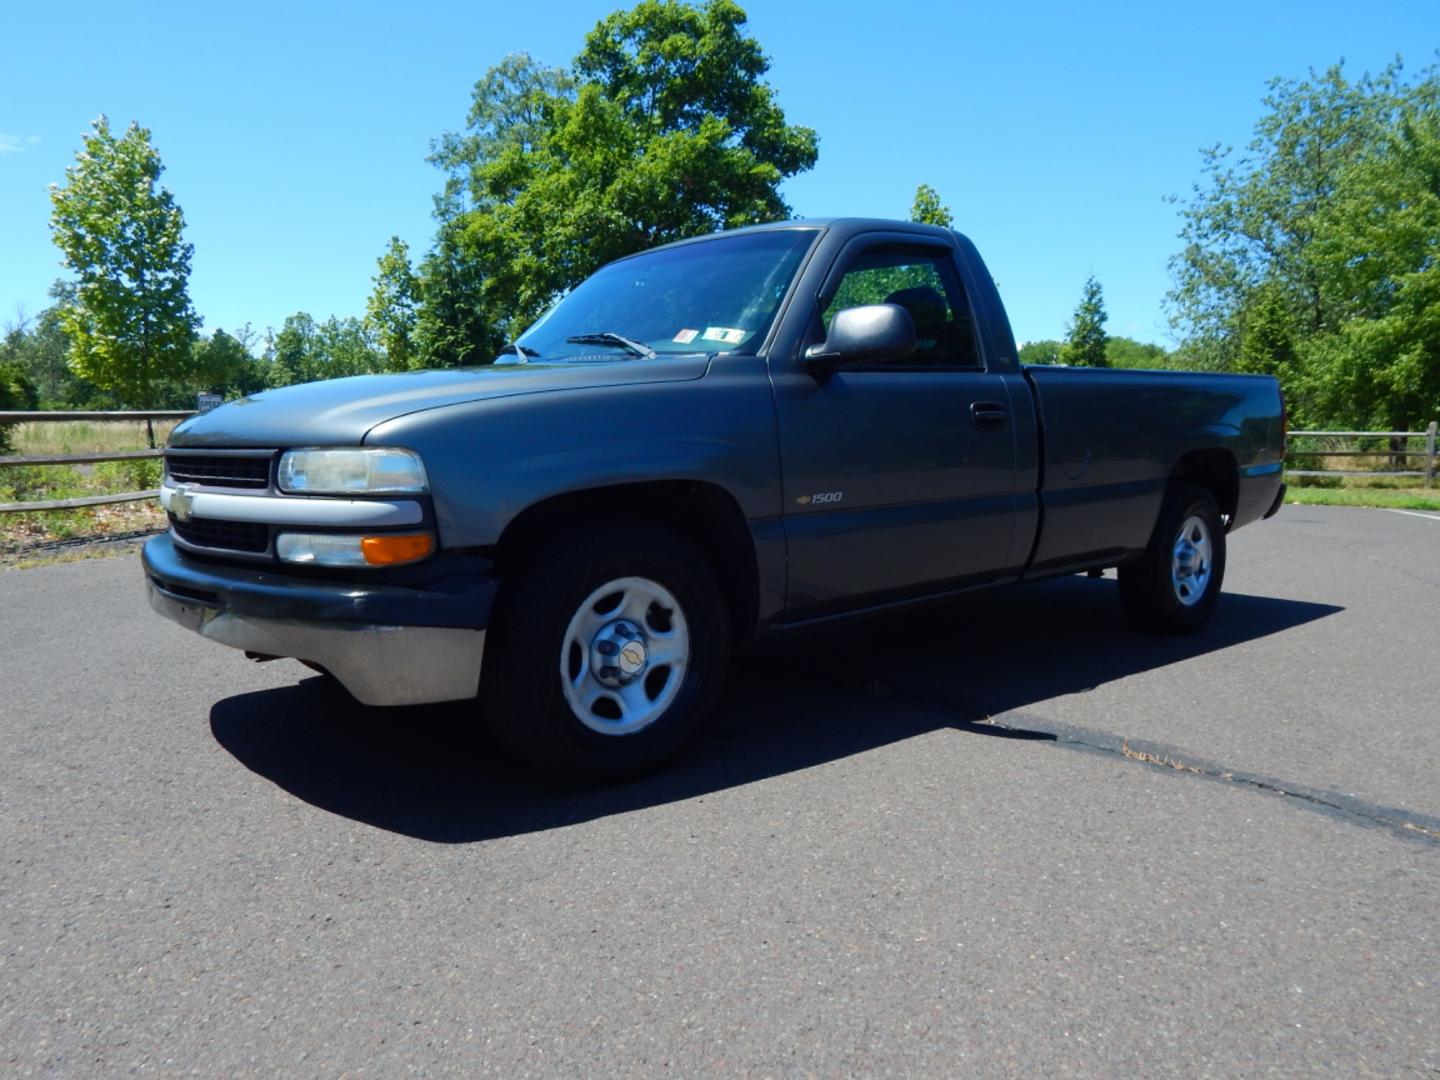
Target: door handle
(988,415)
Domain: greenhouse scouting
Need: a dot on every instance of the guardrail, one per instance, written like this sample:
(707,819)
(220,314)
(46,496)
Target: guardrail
(1398,450)
(61,416)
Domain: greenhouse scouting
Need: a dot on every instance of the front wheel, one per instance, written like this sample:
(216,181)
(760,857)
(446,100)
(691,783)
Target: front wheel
(1175,585)
(607,653)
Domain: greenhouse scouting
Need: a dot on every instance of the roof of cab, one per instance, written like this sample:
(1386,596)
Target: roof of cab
(846,226)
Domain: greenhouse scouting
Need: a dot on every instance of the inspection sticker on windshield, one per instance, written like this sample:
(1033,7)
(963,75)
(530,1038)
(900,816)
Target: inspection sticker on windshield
(729,335)
(684,337)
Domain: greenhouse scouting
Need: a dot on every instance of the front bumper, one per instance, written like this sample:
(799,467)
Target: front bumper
(388,645)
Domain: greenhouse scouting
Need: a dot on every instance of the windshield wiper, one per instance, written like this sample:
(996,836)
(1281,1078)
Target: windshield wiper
(605,337)
(524,352)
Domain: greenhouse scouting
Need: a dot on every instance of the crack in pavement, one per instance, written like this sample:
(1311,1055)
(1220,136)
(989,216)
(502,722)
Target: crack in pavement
(1347,808)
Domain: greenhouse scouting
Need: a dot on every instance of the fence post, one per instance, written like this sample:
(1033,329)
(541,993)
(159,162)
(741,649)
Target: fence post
(1430,453)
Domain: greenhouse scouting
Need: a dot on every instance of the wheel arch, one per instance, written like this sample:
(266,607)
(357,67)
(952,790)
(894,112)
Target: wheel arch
(1215,469)
(704,512)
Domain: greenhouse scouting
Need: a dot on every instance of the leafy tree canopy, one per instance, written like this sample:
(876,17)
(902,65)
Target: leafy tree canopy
(452,326)
(1046,351)
(16,392)
(391,315)
(664,128)
(1084,344)
(224,364)
(131,324)
(1312,256)
(306,351)
(927,209)
(1126,352)
(40,348)
(1120,352)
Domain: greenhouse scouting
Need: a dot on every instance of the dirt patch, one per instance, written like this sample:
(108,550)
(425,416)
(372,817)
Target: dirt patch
(94,532)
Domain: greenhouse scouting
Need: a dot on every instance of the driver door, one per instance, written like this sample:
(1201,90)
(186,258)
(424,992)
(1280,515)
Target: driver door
(898,476)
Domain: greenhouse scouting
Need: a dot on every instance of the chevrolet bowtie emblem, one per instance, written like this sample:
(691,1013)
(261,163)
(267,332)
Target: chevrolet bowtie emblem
(182,504)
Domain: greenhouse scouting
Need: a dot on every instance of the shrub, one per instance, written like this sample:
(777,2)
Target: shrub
(16,392)
(138,474)
(1314,481)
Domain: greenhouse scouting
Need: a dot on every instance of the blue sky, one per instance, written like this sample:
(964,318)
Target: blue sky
(294,135)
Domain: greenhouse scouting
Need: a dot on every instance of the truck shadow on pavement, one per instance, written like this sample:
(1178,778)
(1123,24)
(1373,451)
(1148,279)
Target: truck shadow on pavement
(796,702)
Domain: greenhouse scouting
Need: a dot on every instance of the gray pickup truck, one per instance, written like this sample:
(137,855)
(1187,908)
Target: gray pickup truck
(714,440)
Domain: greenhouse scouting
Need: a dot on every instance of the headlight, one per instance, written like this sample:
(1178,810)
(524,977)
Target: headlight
(335,549)
(379,471)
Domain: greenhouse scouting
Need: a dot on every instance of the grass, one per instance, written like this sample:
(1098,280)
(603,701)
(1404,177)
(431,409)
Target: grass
(1391,498)
(1385,492)
(83,436)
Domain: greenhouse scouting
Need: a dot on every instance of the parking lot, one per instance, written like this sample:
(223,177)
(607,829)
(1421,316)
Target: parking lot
(1000,836)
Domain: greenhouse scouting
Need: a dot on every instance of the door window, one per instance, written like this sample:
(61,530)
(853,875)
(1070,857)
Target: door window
(922,281)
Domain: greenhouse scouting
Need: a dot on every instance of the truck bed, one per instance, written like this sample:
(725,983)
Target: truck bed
(1110,440)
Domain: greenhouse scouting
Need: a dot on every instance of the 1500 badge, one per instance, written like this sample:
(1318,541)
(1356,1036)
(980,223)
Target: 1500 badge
(820,498)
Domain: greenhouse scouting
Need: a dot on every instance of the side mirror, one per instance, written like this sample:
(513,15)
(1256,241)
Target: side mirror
(873,332)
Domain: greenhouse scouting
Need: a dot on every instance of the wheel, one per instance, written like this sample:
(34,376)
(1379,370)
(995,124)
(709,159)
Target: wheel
(606,653)
(1175,585)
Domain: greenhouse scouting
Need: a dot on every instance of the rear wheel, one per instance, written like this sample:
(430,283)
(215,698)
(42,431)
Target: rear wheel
(1175,585)
(606,654)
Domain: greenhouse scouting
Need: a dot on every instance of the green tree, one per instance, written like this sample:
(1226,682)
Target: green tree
(17,392)
(1046,351)
(1085,337)
(1253,218)
(509,108)
(927,208)
(225,364)
(664,129)
(1267,332)
(1126,352)
(308,351)
(41,349)
(344,347)
(1312,257)
(293,353)
(391,314)
(1376,245)
(452,326)
(131,325)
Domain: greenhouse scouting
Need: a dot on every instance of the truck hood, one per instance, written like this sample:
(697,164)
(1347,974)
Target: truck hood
(338,412)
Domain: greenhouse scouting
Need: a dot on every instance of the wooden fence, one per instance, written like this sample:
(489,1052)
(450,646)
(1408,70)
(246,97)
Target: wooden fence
(1400,448)
(82,459)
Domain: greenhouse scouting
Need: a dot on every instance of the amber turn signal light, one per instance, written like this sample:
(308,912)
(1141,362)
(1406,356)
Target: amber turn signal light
(389,550)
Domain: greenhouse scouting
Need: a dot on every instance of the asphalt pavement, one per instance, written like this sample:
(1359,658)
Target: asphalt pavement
(1003,836)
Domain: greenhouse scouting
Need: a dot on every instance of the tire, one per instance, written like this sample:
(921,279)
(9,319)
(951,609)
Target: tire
(1174,586)
(573,682)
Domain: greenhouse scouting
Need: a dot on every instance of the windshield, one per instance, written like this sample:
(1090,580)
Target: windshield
(715,296)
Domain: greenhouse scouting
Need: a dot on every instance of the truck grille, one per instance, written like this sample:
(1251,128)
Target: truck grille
(223,535)
(247,469)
